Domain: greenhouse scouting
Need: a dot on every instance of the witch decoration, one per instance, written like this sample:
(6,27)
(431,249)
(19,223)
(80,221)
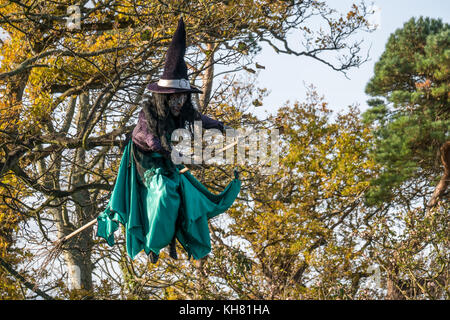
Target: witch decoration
(155,200)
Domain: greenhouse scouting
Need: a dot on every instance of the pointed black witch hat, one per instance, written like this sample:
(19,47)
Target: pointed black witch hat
(174,78)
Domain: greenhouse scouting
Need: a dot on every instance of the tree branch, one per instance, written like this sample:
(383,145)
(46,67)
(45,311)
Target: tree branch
(445,180)
(22,279)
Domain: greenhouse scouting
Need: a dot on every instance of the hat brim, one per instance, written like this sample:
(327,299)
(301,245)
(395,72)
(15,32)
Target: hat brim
(154,87)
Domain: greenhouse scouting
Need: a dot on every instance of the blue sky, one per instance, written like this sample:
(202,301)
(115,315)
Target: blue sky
(285,76)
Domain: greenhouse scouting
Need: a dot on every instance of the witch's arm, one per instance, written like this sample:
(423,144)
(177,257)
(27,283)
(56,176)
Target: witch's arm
(209,123)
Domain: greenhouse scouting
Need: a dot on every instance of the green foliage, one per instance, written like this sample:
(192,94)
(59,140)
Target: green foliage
(413,119)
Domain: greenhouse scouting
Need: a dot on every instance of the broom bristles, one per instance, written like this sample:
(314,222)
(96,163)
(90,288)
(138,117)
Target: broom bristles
(51,256)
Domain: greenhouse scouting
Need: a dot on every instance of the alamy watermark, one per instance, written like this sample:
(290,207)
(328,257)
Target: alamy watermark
(375,276)
(374,19)
(246,146)
(73,20)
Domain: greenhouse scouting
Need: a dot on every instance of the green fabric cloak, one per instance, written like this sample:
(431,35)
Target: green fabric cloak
(165,206)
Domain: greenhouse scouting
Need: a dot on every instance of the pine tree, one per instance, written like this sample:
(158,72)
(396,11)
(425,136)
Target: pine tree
(411,110)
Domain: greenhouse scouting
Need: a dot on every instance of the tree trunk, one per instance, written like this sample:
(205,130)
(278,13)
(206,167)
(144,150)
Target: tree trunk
(207,77)
(78,255)
(393,290)
(393,282)
(445,180)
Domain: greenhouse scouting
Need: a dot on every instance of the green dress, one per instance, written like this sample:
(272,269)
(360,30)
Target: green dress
(163,205)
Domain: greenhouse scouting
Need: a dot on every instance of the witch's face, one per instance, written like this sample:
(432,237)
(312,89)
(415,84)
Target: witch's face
(176,102)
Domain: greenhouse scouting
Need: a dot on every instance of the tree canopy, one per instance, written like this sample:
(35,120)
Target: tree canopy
(312,230)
